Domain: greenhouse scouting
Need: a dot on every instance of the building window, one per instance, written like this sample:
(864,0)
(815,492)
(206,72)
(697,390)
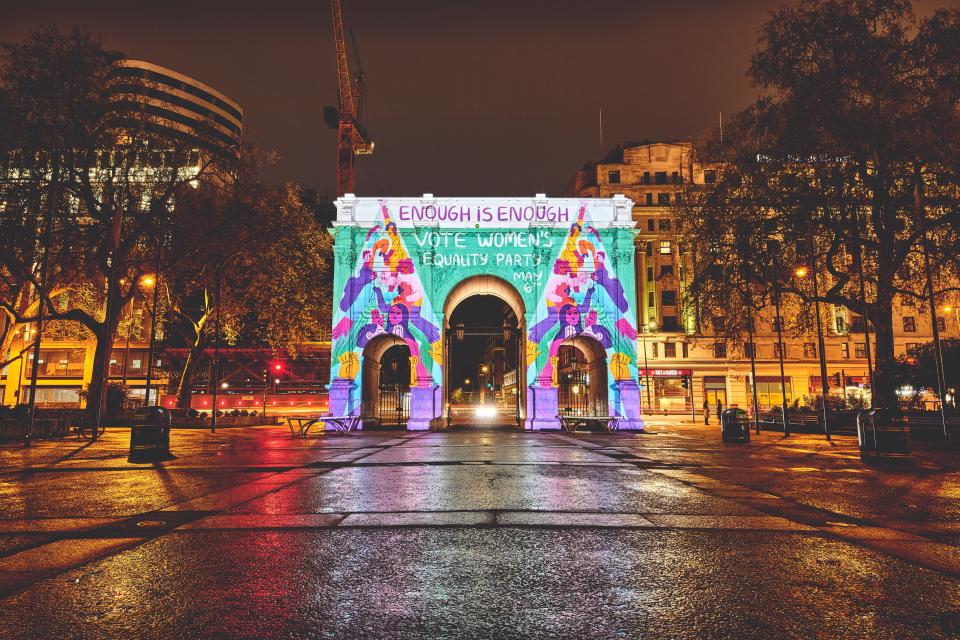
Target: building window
(665,247)
(649,224)
(675,177)
(59,363)
(809,350)
(860,350)
(749,349)
(663,199)
(669,349)
(911,348)
(666,270)
(845,350)
(670,323)
(613,177)
(777,323)
(651,299)
(653,349)
(686,350)
(668,298)
(678,198)
(649,199)
(941,324)
(779,348)
(650,274)
(771,394)
(709,176)
(649,250)
(660,177)
(664,224)
(841,324)
(909,324)
(646,178)
(719,349)
(856,324)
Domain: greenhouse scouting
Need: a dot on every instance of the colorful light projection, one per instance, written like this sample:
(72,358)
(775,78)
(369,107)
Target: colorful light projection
(571,262)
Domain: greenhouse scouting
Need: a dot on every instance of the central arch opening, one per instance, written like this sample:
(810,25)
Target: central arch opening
(484,377)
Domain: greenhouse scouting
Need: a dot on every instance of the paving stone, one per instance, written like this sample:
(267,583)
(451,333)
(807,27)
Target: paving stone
(419,518)
(569,519)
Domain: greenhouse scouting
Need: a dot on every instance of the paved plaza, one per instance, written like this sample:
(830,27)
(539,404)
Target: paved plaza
(478,534)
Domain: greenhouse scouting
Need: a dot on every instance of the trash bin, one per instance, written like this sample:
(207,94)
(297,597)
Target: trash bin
(150,434)
(882,435)
(735,425)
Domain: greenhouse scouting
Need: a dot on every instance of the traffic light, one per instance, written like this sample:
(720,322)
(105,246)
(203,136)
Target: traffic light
(685,382)
(835,379)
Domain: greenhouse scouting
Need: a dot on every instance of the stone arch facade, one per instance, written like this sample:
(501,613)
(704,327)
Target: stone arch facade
(566,267)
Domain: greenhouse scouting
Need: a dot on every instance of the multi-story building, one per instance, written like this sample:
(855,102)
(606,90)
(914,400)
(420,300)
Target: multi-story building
(683,364)
(176,105)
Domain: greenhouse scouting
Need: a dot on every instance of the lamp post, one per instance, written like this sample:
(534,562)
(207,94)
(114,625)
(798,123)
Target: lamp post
(801,272)
(153,317)
(651,325)
(216,350)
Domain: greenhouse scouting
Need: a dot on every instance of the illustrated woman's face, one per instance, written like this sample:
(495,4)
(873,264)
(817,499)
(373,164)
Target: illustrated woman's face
(395,315)
(572,315)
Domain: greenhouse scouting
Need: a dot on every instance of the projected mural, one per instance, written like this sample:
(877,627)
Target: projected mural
(569,261)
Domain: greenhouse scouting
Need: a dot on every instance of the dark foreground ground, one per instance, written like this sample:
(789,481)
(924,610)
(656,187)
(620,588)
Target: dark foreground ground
(250,534)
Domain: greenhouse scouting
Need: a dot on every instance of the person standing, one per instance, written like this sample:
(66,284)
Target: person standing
(706,411)
(719,409)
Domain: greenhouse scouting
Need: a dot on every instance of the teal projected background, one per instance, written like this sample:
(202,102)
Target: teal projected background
(575,277)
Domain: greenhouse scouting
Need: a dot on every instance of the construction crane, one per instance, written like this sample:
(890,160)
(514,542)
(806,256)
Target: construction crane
(352,138)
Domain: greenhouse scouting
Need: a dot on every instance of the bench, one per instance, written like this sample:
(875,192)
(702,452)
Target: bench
(300,425)
(801,422)
(570,423)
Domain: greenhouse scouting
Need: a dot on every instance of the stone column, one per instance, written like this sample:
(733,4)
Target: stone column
(344,400)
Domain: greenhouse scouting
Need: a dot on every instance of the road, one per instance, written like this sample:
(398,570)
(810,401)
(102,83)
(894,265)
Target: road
(478,534)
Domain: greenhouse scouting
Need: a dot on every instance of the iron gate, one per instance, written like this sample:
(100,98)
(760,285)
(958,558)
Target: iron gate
(394,406)
(574,394)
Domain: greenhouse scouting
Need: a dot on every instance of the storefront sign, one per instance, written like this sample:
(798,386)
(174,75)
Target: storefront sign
(667,373)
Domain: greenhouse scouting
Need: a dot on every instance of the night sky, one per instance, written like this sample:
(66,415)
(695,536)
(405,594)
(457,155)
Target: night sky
(491,97)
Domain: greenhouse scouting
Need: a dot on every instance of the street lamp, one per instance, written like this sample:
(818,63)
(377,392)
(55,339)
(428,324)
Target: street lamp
(801,273)
(150,282)
(651,326)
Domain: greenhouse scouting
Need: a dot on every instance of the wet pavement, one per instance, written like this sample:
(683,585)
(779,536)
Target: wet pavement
(478,534)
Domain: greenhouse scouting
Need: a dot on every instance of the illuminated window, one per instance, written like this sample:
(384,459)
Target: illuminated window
(665,247)
(860,350)
(845,350)
(669,349)
(777,347)
(841,324)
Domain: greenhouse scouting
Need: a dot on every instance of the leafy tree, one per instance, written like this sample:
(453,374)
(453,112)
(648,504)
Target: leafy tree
(91,176)
(918,368)
(846,161)
(273,262)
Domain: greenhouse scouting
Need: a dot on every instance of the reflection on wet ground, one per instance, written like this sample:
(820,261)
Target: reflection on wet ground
(477,533)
